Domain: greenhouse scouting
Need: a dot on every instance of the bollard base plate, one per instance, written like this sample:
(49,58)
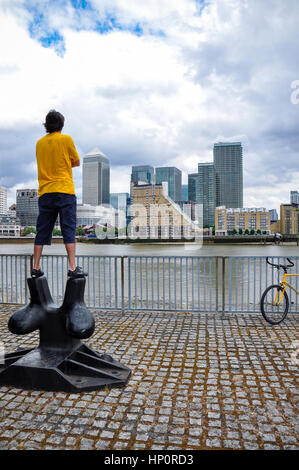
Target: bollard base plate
(77,370)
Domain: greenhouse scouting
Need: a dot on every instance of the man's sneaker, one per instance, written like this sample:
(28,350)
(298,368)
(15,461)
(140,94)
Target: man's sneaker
(77,273)
(36,273)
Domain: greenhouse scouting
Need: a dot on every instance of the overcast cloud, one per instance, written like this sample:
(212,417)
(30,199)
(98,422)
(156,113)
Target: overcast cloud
(153,82)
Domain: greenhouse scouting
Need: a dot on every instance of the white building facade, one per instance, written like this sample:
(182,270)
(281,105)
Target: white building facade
(9,226)
(3,200)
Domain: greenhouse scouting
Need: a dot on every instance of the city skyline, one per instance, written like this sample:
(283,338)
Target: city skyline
(199,194)
(153,86)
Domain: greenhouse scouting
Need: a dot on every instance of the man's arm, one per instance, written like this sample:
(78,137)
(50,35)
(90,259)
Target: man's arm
(74,157)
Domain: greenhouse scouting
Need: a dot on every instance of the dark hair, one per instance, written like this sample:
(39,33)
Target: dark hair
(54,121)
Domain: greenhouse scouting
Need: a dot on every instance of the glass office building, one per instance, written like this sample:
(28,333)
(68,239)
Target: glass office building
(207,192)
(96,179)
(27,207)
(193,189)
(228,162)
(121,202)
(202,189)
(273,215)
(185,196)
(173,176)
(143,173)
(294,197)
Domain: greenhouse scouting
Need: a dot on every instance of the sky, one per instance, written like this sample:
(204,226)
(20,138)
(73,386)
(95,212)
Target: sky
(153,82)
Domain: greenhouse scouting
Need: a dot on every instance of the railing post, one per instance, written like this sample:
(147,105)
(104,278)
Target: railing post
(26,273)
(129,283)
(115,282)
(122,285)
(217,286)
(223,283)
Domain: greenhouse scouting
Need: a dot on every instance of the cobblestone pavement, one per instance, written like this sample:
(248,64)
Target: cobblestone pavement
(199,381)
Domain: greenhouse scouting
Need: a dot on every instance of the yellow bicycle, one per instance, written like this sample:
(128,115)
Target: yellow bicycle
(275,301)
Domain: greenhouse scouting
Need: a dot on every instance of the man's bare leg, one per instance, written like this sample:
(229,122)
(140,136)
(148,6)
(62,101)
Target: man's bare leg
(37,254)
(71,252)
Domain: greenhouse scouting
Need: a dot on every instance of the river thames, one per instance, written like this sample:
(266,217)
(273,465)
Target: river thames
(161,249)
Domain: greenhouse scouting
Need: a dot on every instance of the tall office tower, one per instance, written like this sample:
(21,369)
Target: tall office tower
(143,173)
(207,192)
(202,190)
(294,197)
(185,192)
(228,162)
(96,178)
(27,207)
(3,200)
(193,188)
(173,176)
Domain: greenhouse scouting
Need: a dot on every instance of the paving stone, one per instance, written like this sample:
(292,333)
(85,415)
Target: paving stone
(251,446)
(184,391)
(213,443)
(70,441)
(232,444)
(107,434)
(86,444)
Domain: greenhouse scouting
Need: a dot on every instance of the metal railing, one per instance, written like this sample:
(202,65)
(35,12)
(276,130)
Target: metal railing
(169,283)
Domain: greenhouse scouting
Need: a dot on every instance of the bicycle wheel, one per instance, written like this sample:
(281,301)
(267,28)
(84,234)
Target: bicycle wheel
(274,304)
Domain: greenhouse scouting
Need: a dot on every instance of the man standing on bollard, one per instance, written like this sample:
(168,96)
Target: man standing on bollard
(56,155)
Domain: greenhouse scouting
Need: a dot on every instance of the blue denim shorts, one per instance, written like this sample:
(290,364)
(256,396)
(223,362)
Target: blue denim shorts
(50,205)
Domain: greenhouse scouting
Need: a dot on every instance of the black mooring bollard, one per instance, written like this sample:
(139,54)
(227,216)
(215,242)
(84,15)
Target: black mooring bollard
(61,362)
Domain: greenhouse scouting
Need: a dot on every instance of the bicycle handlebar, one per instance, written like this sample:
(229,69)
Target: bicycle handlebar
(281,266)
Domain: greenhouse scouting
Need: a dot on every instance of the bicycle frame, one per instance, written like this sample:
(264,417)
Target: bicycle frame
(285,284)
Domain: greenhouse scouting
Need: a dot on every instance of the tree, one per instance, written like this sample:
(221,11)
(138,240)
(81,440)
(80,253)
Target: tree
(247,231)
(252,232)
(234,231)
(56,232)
(258,231)
(80,231)
(28,230)
(264,232)
(240,231)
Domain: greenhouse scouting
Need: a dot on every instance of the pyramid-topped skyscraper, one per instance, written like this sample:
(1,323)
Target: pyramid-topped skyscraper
(96,178)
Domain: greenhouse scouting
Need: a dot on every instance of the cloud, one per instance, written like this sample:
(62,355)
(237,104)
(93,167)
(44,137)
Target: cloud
(154,82)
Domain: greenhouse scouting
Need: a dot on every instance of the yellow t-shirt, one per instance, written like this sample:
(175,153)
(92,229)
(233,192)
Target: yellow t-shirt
(55,153)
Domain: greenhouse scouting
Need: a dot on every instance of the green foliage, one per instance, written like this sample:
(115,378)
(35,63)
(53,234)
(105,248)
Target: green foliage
(56,232)
(258,231)
(234,231)
(80,231)
(252,232)
(28,230)
(240,231)
(247,231)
